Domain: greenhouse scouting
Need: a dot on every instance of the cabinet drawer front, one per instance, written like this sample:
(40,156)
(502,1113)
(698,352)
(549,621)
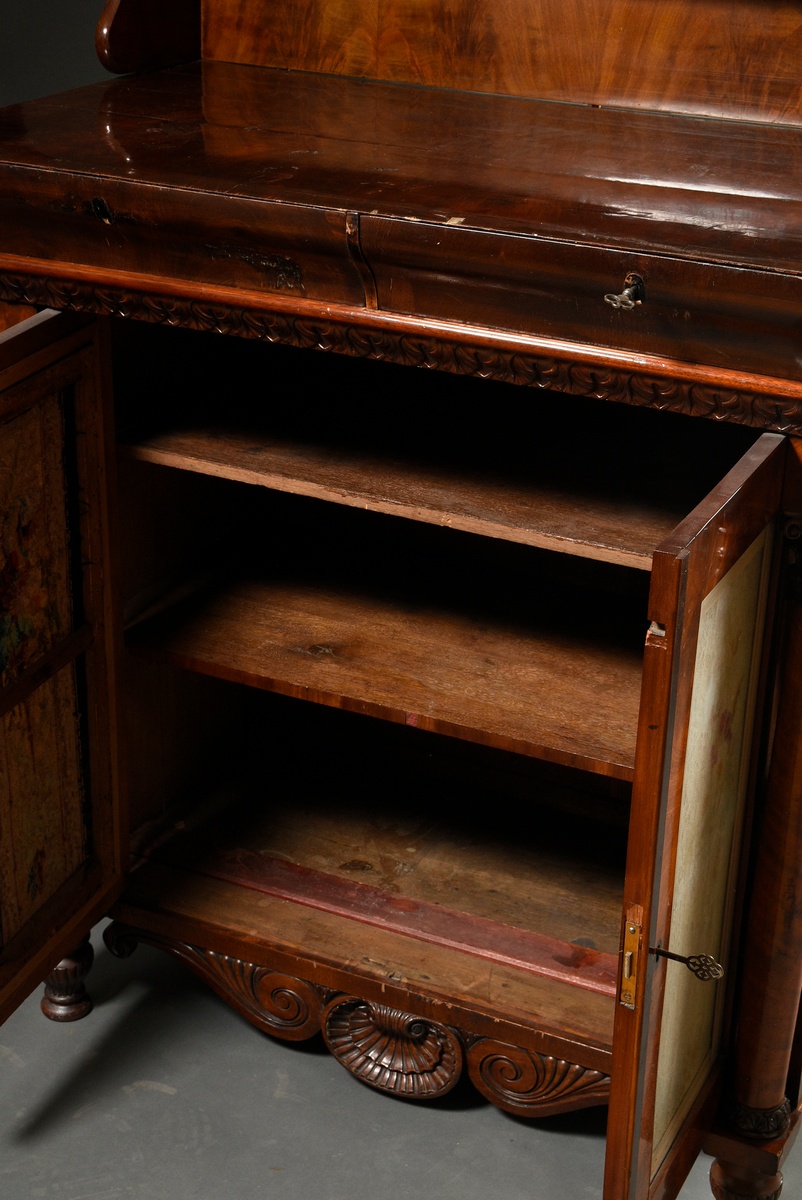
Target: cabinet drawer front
(178,234)
(697,312)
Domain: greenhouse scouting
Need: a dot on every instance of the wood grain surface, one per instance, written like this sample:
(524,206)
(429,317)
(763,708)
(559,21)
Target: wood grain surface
(711,57)
(496,212)
(555,693)
(340,954)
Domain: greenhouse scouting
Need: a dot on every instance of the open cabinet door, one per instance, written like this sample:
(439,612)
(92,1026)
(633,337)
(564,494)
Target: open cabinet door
(701,674)
(60,827)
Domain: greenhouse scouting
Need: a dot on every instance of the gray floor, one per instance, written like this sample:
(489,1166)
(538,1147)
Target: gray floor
(164,1093)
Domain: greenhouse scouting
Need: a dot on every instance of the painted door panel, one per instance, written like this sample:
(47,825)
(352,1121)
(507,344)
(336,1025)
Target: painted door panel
(702,660)
(60,826)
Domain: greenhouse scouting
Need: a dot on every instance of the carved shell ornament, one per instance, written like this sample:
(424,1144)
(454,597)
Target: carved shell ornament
(392,1050)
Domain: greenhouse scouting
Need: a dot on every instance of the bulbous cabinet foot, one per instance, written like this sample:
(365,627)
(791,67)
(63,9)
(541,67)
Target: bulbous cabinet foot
(65,997)
(732,1181)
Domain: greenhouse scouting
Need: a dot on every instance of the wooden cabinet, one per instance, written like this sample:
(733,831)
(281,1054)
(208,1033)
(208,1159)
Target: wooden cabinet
(451,713)
(391,726)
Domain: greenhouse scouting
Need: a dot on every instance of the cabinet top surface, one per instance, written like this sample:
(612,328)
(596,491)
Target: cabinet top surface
(706,189)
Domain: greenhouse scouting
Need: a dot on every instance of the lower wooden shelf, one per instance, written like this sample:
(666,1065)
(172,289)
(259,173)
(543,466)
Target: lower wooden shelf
(419,931)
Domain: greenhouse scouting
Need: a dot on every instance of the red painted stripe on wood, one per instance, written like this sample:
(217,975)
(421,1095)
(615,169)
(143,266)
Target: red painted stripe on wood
(535,952)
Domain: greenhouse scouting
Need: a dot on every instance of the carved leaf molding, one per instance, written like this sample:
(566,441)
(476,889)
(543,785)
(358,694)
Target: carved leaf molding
(640,388)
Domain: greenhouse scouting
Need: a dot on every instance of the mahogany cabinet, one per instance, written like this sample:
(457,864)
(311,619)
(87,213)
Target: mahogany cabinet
(383,632)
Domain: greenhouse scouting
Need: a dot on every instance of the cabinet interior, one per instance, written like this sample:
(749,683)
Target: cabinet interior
(385,631)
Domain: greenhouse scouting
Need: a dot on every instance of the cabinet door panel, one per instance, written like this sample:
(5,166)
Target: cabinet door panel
(60,829)
(701,673)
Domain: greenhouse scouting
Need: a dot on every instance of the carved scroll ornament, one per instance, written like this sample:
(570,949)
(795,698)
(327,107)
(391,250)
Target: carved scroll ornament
(396,1052)
(533,1085)
(288,1008)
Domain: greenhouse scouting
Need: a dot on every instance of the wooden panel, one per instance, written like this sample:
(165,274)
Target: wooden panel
(611,494)
(712,57)
(530,515)
(446,857)
(580,499)
(328,646)
(692,311)
(60,821)
(203,133)
(529,950)
(346,954)
(43,833)
(316,36)
(713,797)
(36,600)
(284,249)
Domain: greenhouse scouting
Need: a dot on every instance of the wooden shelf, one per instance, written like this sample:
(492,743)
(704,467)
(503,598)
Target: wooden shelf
(518,892)
(347,955)
(444,879)
(544,678)
(609,529)
(366,436)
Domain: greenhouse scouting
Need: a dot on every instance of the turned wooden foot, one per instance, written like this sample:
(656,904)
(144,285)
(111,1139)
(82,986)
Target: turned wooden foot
(732,1181)
(65,997)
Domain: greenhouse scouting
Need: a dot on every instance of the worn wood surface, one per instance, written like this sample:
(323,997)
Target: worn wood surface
(428,921)
(444,858)
(482,161)
(242,178)
(338,953)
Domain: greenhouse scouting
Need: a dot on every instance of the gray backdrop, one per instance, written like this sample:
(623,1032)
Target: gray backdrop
(47,46)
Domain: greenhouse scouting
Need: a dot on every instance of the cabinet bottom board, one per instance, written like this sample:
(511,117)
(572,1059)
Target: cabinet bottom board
(343,955)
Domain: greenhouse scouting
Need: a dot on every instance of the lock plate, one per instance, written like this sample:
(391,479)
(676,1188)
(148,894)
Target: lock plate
(629,966)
